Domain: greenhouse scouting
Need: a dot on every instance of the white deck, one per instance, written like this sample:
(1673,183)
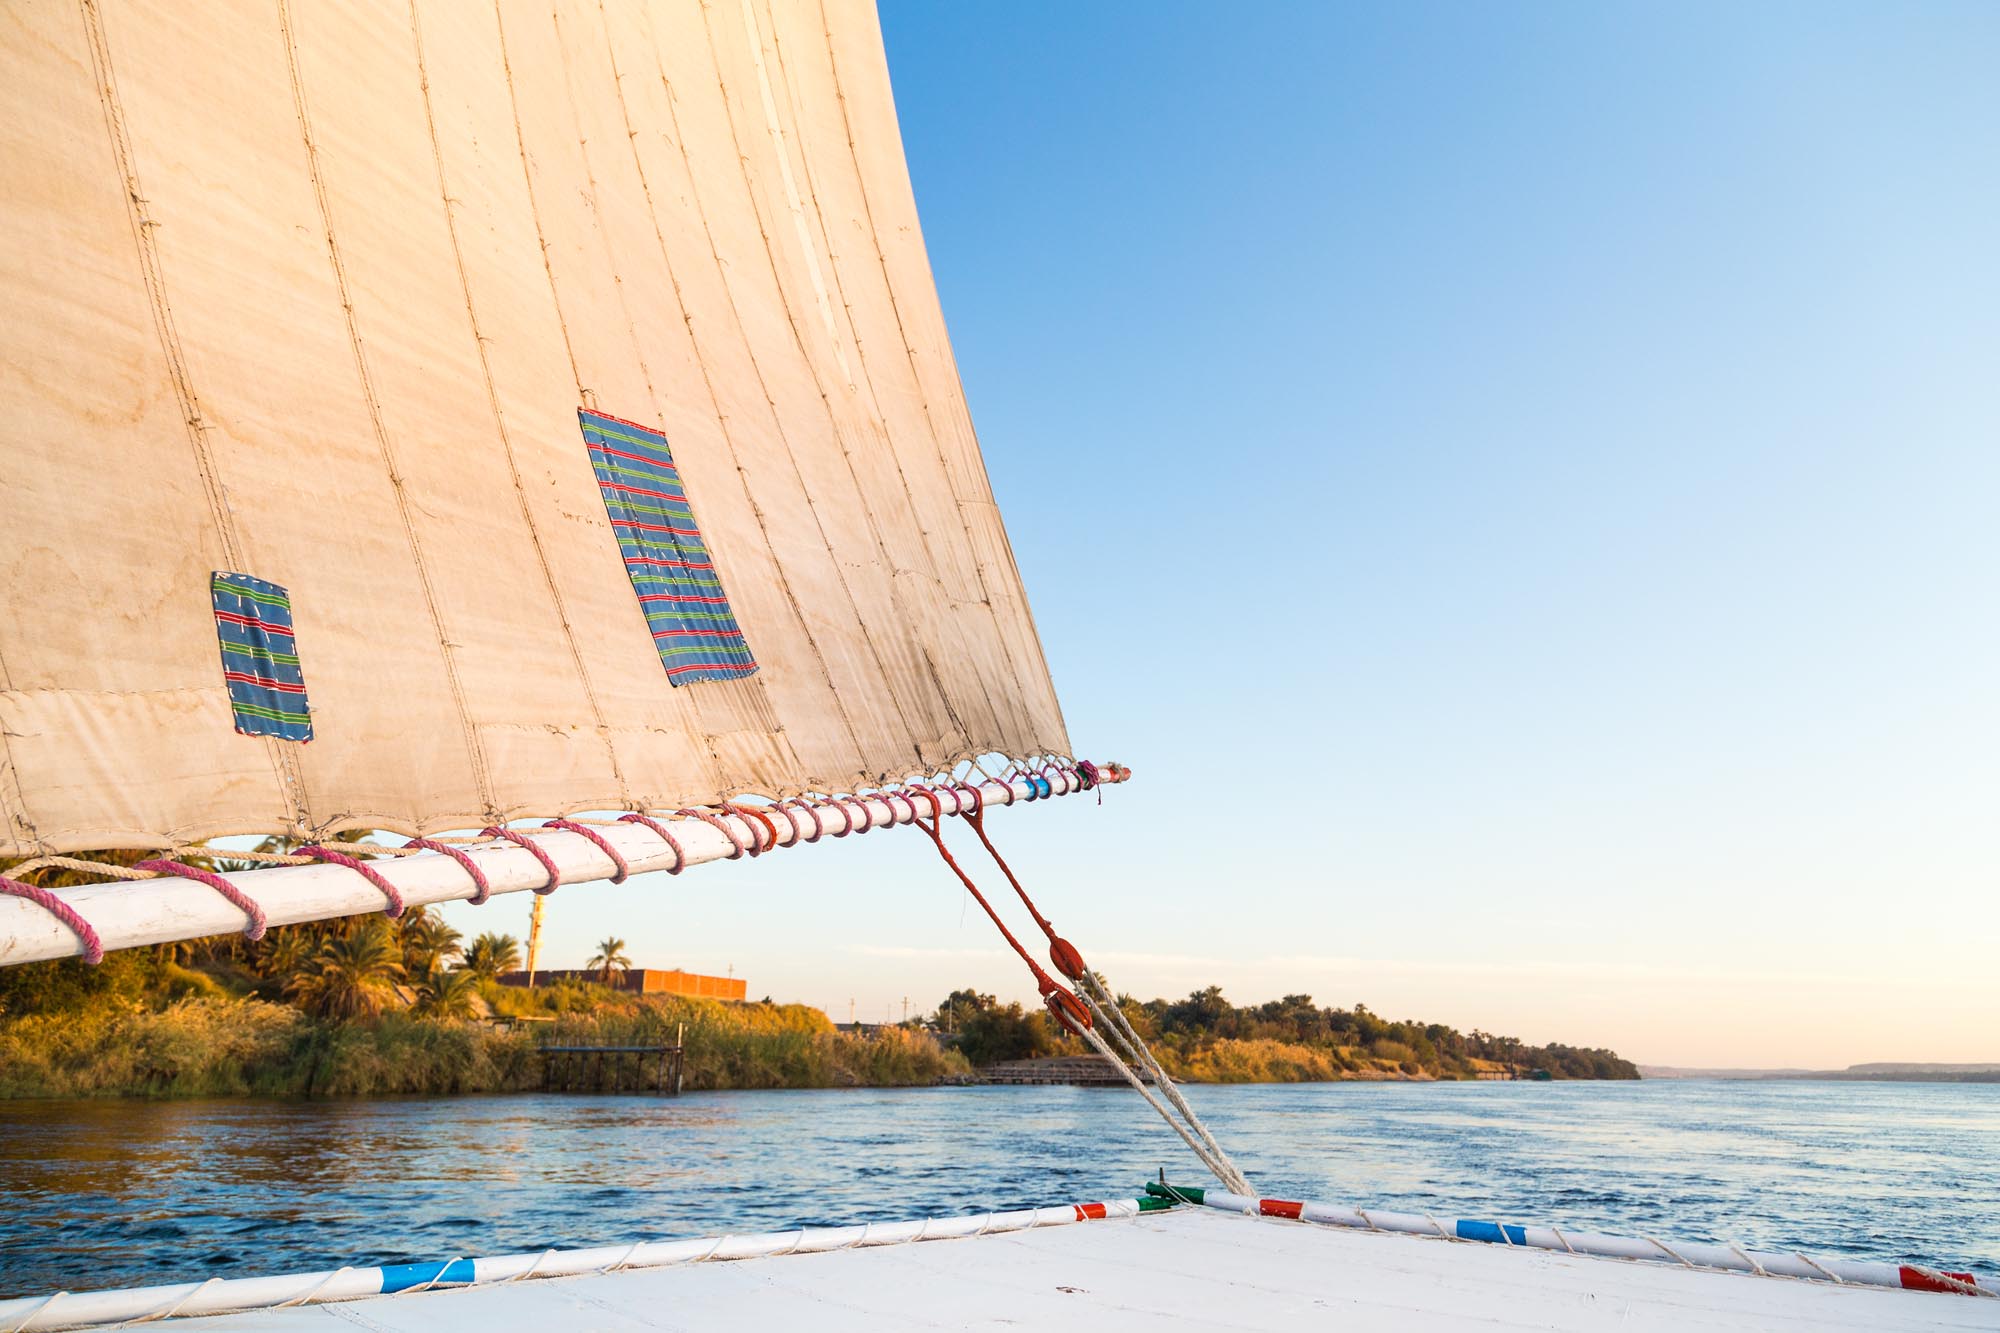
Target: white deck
(1189,1269)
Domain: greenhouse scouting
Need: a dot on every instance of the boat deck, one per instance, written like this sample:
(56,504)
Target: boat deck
(1187,1269)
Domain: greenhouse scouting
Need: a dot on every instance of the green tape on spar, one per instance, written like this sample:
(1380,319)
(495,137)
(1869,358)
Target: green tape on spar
(1167,1195)
(1153,1205)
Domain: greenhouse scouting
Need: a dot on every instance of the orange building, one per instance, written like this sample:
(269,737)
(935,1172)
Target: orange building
(643,981)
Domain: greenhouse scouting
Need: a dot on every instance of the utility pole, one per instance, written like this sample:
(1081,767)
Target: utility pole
(534,937)
(906,1008)
(850,1011)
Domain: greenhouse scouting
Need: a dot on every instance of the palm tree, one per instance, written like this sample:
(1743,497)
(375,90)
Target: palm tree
(427,942)
(610,957)
(444,994)
(354,975)
(491,954)
(285,953)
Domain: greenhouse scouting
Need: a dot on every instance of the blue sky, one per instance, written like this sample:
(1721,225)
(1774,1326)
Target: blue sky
(1517,483)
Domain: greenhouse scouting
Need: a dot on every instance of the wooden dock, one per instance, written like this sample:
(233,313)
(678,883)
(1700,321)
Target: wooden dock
(622,1068)
(1082,1071)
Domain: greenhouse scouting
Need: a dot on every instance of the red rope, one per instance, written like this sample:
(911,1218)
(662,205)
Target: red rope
(798,834)
(529,844)
(93,947)
(680,856)
(253,928)
(570,826)
(1067,1009)
(1061,952)
(361,868)
(747,815)
(481,889)
(727,832)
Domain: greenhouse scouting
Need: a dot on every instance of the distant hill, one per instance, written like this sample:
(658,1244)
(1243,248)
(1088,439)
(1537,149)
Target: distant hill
(1881,1072)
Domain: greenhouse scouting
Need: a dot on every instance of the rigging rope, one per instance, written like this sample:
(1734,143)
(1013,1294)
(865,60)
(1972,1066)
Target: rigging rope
(1097,1011)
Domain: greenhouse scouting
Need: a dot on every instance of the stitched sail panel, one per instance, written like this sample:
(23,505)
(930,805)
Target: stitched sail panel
(686,610)
(328,322)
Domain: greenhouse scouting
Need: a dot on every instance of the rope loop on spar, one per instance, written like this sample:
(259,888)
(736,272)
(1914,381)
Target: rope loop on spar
(520,839)
(757,820)
(86,934)
(481,890)
(665,835)
(791,822)
(253,923)
(722,826)
(391,895)
(791,803)
(598,840)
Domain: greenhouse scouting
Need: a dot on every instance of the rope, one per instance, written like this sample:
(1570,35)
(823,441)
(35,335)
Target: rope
(1070,963)
(104,868)
(727,832)
(481,889)
(570,826)
(1216,1168)
(93,948)
(680,853)
(315,852)
(1095,991)
(253,926)
(748,815)
(528,844)
(1068,1010)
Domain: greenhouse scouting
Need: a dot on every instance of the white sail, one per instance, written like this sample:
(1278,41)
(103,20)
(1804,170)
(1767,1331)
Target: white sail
(312,294)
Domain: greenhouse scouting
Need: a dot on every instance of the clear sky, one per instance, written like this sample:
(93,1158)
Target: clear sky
(1519,485)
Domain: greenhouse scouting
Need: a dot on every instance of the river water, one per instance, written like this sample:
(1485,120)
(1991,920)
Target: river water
(105,1194)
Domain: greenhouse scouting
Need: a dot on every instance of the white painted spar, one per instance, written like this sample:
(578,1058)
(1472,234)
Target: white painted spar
(130,913)
(90,1309)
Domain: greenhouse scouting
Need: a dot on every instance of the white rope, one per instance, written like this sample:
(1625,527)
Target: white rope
(1098,996)
(1216,1168)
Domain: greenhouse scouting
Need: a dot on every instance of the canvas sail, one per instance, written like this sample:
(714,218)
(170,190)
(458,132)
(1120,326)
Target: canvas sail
(310,297)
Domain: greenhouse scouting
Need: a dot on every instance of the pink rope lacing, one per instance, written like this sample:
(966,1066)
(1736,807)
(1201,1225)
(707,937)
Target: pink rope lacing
(978,797)
(389,891)
(570,826)
(713,822)
(253,927)
(541,853)
(809,807)
(846,819)
(756,819)
(680,855)
(867,815)
(798,834)
(482,890)
(93,947)
(889,798)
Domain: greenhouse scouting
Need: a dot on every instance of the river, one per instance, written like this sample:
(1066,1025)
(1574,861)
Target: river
(104,1194)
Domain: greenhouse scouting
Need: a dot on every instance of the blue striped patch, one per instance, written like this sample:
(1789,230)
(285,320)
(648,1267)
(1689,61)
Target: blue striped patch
(694,630)
(260,658)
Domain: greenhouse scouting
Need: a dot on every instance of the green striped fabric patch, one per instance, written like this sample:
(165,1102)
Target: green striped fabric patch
(686,610)
(260,658)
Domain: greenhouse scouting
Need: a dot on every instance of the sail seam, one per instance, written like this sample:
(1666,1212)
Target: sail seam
(474,751)
(284,763)
(708,385)
(833,424)
(916,375)
(879,418)
(493,399)
(777,426)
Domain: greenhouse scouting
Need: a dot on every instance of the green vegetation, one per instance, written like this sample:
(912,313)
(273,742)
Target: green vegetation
(370,1006)
(1206,1039)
